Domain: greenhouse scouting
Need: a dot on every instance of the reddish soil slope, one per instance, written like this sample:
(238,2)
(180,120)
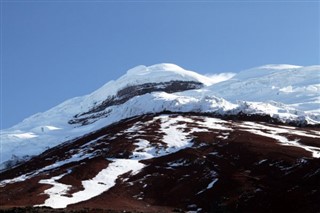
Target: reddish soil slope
(225,166)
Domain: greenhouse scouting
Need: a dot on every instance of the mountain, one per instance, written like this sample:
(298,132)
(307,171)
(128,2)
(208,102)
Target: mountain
(162,138)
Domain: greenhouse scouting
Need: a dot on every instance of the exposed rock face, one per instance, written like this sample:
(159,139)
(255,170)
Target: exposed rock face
(129,92)
(166,162)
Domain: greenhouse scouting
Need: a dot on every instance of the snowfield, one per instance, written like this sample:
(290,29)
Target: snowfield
(285,92)
(93,187)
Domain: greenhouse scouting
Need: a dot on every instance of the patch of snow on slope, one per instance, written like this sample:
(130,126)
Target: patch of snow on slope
(73,158)
(103,181)
(273,132)
(145,150)
(210,185)
(174,137)
(215,123)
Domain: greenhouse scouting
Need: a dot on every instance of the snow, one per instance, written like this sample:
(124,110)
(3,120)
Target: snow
(180,162)
(210,185)
(278,130)
(42,129)
(286,84)
(174,138)
(215,123)
(107,177)
(279,66)
(273,132)
(153,74)
(25,135)
(103,181)
(73,158)
(145,150)
(262,161)
(14,180)
(260,90)
(217,78)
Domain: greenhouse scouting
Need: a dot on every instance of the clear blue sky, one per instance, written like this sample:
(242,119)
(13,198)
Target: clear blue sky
(55,50)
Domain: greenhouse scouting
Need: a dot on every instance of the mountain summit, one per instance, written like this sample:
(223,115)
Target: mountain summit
(162,137)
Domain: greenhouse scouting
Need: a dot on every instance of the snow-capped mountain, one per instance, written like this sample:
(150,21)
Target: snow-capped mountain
(161,121)
(288,93)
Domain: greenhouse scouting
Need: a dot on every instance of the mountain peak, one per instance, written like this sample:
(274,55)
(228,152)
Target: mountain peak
(279,66)
(142,69)
(165,67)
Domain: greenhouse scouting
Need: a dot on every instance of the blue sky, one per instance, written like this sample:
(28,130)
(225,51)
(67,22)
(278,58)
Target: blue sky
(56,50)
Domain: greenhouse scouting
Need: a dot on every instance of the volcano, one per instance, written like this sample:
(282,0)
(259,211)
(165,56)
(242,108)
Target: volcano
(165,139)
